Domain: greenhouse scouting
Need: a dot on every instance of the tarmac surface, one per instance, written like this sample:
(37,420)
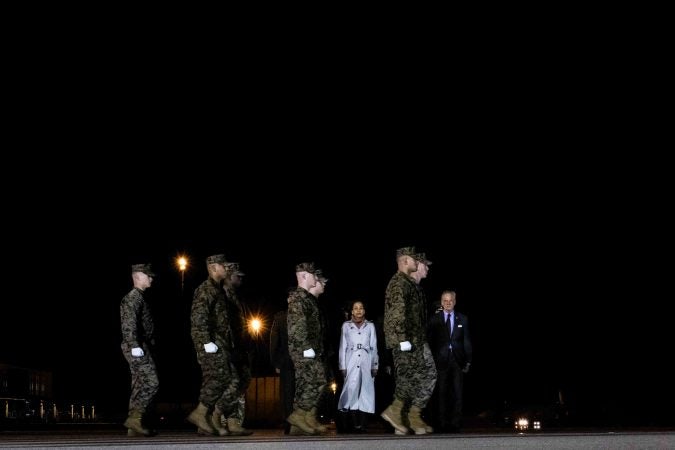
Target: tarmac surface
(274,439)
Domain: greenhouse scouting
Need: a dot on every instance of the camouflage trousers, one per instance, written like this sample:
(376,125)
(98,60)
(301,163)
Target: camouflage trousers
(244,374)
(310,381)
(144,381)
(220,382)
(415,375)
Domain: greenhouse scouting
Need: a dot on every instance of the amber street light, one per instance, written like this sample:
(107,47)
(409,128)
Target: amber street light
(255,325)
(182,265)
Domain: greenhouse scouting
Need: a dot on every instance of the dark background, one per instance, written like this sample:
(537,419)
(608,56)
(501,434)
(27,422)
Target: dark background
(561,270)
(527,161)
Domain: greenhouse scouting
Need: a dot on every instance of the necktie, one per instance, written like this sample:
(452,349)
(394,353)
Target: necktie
(448,322)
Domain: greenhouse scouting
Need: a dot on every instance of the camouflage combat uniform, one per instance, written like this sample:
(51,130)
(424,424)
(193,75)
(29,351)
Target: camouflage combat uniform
(305,331)
(210,323)
(240,356)
(405,320)
(137,331)
(428,381)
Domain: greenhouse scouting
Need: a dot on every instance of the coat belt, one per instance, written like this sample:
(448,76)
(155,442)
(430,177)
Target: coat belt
(361,347)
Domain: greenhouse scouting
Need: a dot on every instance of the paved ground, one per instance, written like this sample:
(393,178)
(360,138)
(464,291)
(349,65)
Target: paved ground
(274,439)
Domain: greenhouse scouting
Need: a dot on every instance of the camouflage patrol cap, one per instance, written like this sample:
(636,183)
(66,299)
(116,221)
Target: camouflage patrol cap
(306,267)
(320,276)
(406,251)
(234,268)
(216,259)
(145,268)
(422,257)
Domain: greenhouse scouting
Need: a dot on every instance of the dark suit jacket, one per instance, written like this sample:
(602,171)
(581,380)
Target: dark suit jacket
(440,339)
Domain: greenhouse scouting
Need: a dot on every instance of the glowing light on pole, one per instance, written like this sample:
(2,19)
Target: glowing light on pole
(255,325)
(182,265)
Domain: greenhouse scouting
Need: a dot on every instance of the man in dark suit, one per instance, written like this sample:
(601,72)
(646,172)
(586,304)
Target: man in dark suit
(451,347)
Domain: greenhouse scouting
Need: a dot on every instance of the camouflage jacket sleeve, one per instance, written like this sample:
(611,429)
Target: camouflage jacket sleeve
(305,330)
(296,326)
(130,310)
(417,326)
(148,324)
(397,312)
(201,317)
(237,320)
(423,319)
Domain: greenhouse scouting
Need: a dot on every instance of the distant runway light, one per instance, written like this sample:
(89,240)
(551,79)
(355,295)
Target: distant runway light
(522,424)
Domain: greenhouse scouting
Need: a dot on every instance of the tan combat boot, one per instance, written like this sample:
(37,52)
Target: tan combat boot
(133,423)
(416,423)
(236,429)
(295,431)
(217,424)
(198,418)
(297,418)
(393,415)
(310,418)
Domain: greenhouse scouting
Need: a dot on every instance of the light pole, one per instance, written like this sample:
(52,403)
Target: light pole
(182,265)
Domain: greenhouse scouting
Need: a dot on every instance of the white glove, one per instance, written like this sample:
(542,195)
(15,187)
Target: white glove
(210,347)
(137,352)
(406,346)
(309,353)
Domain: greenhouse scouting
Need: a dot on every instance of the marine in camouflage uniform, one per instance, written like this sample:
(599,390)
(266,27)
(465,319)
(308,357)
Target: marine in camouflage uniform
(212,338)
(305,345)
(311,416)
(405,334)
(240,348)
(429,382)
(137,341)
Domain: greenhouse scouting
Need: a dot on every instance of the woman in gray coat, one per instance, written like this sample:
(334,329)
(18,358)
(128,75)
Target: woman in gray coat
(358,362)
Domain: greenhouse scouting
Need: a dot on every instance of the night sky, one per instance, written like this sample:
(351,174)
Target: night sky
(530,170)
(557,269)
